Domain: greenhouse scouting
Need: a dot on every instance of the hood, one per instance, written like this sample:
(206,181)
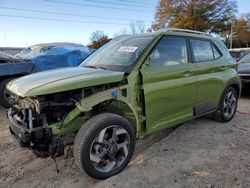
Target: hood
(59,80)
(7,58)
(244,68)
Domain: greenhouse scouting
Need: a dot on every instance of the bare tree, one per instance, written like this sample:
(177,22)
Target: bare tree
(247,18)
(98,39)
(121,32)
(97,35)
(137,27)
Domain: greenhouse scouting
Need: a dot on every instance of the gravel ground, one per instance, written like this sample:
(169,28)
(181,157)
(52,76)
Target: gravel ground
(199,153)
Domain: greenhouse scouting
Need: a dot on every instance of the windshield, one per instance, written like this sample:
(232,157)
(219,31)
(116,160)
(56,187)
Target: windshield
(119,54)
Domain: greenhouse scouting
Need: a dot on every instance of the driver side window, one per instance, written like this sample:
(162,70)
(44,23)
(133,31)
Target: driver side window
(169,51)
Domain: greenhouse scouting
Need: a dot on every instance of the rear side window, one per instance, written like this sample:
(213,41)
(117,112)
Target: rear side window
(204,50)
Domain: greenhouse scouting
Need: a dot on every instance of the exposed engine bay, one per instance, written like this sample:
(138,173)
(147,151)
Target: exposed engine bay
(31,118)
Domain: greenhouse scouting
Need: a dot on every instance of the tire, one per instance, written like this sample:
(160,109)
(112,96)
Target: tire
(3,97)
(94,150)
(223,114)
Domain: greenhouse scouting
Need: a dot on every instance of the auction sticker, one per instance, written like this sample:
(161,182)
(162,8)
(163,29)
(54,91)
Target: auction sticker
(129,49)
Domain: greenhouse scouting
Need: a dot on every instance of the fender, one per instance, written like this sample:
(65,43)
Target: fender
(232,82)
(74,120)
(86,104)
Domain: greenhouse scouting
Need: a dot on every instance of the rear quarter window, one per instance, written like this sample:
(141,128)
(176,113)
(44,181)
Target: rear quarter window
(216,52)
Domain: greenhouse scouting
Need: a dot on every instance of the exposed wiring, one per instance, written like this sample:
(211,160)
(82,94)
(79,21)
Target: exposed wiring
(57,169)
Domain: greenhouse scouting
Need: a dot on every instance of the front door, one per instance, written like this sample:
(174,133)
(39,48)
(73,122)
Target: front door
(169,84)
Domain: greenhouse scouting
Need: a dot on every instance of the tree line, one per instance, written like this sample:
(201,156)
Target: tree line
(212,16)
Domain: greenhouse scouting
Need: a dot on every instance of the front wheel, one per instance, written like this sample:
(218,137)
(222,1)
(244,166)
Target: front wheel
(227,106)
(104,145)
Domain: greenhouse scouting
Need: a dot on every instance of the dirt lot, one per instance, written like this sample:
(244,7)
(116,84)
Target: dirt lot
(200,153)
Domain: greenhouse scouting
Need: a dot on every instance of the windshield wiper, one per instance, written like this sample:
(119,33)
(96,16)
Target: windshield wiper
(101,67)
(91,66)
(95,67)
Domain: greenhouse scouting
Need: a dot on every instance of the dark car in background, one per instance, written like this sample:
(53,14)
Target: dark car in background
(244,69)
(242,56)
(38,58)
(7,58)
(237,54)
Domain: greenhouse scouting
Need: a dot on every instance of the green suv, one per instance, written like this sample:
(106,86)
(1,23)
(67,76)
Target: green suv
(131,87)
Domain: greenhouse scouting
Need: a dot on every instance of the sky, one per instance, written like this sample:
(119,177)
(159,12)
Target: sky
(28,22)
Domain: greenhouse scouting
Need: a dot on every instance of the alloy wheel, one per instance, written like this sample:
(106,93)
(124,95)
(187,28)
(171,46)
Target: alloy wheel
(229,104)
(109,149)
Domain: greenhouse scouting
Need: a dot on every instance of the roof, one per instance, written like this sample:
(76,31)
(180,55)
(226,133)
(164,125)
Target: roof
(239,49)
(184,32)
(170,30)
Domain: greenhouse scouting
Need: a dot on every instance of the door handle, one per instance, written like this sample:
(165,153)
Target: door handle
(187,73)
(223,68)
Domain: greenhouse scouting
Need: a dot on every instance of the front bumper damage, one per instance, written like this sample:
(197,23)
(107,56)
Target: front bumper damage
(32,133)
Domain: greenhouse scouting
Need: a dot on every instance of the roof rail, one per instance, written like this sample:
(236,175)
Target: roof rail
(238,49)
(182,30)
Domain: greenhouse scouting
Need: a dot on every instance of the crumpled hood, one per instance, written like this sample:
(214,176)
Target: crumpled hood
(244,69)
(63,79)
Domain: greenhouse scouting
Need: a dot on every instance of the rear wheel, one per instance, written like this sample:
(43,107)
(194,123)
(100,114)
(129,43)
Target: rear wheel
(227,106)
(104,145)
(4,95)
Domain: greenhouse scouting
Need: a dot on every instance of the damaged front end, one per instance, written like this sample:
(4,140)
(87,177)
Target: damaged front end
(49,108)
(30,120)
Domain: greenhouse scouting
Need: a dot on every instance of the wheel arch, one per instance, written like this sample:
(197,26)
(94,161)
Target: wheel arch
(122,108)
(219,115)
(118,104)
(236,86)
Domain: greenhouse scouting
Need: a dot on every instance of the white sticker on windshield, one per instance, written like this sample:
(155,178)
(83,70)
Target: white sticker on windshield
(129,49)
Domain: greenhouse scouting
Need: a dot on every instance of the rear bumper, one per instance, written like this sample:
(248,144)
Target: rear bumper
(39,138)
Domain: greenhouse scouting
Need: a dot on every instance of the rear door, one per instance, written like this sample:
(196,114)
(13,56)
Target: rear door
(169,83)
(211,67)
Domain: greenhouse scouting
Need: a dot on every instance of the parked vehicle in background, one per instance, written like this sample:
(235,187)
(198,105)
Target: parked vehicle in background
(38,58)
(238,53)
(242,56)
(7,58)
(244,69)
(129,88)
